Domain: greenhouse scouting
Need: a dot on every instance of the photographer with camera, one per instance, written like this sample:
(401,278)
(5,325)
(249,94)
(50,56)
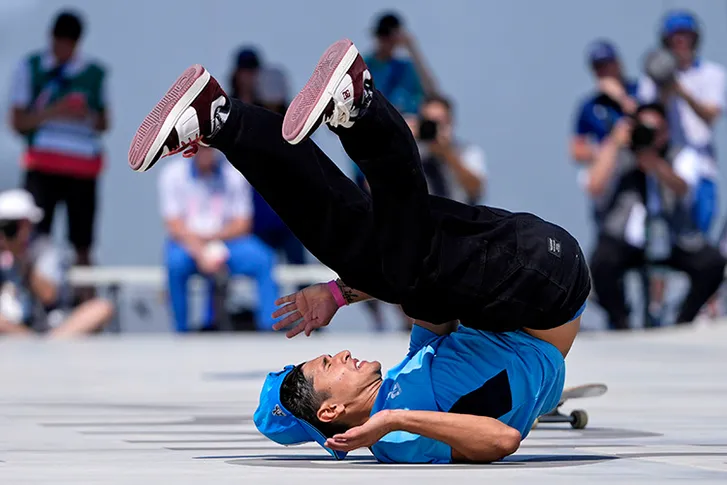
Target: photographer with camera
(453,169)
(693,91)
(32,278)
(643,190)
(614,96)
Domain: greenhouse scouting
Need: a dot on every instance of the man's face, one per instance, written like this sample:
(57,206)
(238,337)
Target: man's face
(389,42)
(63,49)
(654,120)
(439,113)
(246,78)
(610,68)
(682,44)
(17,242)
(341,377)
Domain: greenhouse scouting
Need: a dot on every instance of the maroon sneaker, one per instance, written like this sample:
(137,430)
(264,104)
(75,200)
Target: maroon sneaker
(337,93)
(193,110)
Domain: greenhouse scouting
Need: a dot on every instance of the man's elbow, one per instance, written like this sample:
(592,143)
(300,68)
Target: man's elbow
(508,443)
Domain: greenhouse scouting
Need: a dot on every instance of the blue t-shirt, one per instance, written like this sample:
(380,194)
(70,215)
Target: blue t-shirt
(598,114)
(398,81)
(511,376)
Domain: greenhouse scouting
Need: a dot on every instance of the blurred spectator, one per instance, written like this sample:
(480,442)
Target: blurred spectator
(453,169)
(207,207)
(613,97)
(404,82)
(245,74)
(272,90)
(59,105)
(267,87)
(642,222)
(694,94)
(32,278)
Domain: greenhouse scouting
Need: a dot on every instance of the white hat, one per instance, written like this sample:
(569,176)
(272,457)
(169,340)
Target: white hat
(18,204)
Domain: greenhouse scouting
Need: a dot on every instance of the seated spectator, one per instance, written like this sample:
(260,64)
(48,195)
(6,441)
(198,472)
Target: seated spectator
(33,280)
(59,104)
(207,207)
(404,82)
(642,189)
(613,96)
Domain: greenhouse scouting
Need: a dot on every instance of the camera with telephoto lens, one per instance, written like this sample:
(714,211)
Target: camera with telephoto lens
(9,228)
(642,136)
(427,130)
(661,66)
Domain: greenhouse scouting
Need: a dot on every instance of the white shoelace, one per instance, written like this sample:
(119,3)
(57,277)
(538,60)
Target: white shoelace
(340,114)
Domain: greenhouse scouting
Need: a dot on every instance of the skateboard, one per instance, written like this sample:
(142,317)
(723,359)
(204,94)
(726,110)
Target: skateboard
(578,418)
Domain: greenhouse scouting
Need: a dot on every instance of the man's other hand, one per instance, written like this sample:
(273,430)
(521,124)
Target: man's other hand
(364,436)
(309,309)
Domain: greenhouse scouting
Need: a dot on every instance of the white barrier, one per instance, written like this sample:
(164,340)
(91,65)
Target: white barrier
(112,278)
(285,275)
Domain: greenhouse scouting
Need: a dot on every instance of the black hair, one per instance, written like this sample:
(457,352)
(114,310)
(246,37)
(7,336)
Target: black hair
(298,396)
(657,107)
(68,25)
(439,98)
(387,24)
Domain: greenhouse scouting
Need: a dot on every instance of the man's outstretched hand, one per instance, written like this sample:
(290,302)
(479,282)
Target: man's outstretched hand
(308,309)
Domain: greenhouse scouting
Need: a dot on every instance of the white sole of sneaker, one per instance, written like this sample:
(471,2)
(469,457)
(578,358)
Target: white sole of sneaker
(181,99)
(327,93)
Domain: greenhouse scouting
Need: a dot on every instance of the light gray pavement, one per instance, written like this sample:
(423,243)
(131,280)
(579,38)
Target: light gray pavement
(143,409)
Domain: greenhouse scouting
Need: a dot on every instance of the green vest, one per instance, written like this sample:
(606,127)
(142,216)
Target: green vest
(88,81)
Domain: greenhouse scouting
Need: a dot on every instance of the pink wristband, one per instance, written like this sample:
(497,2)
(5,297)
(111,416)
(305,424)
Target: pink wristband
(336,292)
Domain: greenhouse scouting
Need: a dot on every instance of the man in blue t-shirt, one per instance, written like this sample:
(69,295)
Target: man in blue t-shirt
(614,96)
(460,394)
(404,81)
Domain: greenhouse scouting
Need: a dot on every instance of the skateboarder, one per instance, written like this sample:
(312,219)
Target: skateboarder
(518,284)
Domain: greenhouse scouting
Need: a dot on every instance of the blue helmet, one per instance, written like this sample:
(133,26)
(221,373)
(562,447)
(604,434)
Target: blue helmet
(679,21)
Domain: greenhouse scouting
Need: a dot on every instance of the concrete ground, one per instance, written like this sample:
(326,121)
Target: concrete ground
(163,409)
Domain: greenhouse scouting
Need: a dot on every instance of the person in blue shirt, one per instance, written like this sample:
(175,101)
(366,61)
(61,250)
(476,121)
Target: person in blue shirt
(598,113)
(515,281)
(459,394)
(405,82)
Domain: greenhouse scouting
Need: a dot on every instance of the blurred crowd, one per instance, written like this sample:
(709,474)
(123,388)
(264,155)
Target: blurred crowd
(649,165)
(644,145)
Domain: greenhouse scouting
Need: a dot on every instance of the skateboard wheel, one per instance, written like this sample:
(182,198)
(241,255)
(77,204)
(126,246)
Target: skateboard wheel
(579,419)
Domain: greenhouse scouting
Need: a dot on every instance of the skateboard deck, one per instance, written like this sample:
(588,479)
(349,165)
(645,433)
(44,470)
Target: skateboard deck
(578,418)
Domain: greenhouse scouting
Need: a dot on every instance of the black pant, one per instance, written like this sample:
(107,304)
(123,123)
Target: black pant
(441,260)
(613,258)
(79,195)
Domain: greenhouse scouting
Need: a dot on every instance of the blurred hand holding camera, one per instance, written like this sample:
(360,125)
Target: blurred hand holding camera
(621,134)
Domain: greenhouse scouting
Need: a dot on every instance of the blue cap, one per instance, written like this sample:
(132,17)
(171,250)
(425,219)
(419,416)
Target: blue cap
(601,51)
(679,21)
(278,424)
